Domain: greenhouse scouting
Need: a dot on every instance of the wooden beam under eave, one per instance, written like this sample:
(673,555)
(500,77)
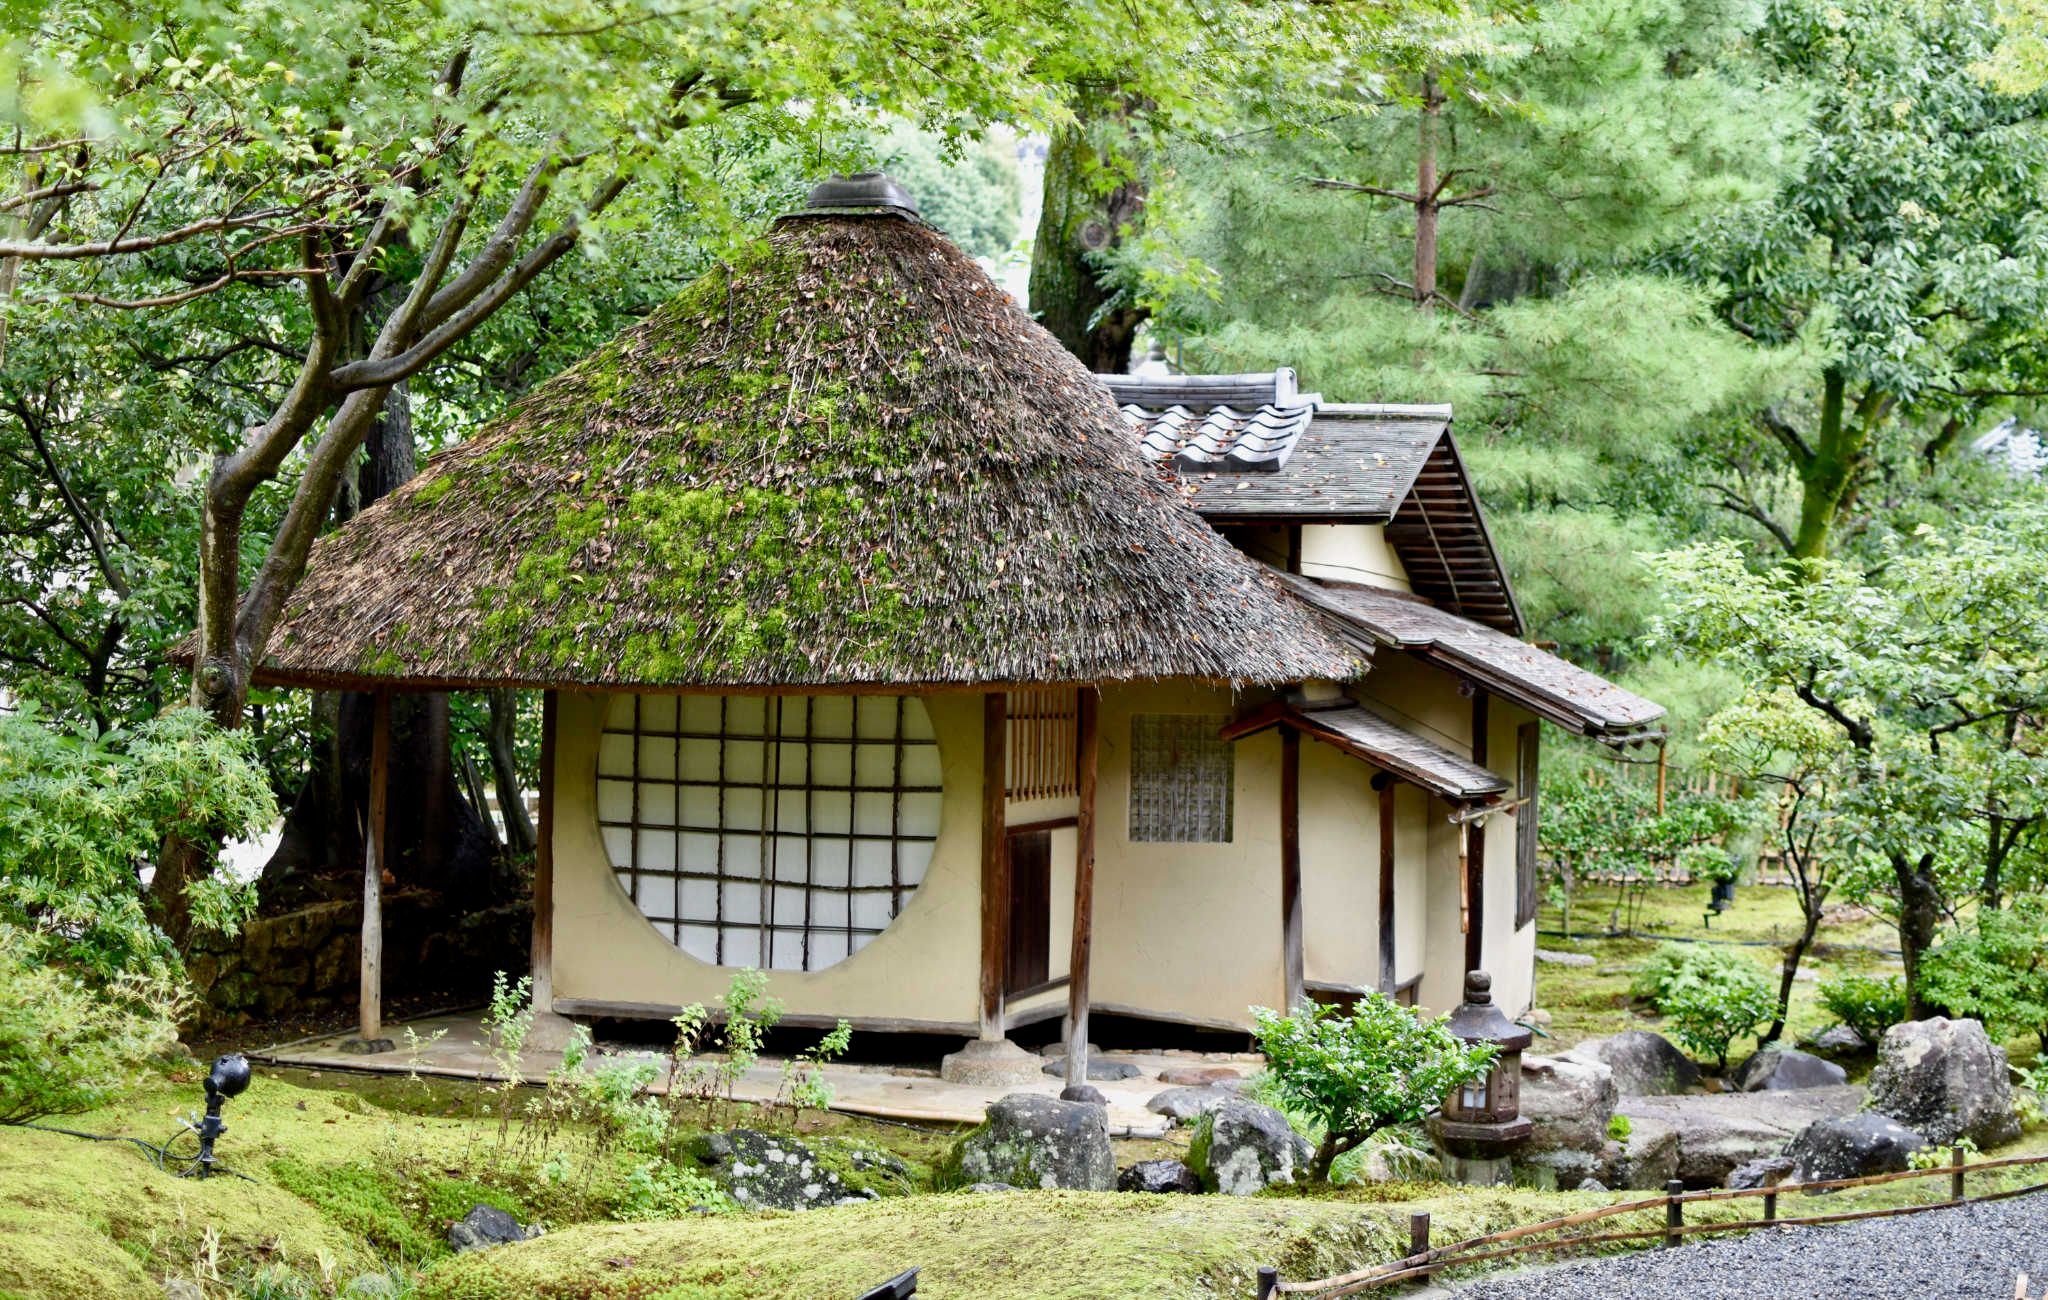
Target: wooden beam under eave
(376,853)
(1294,984)
(544,865)
(995,861)
(1079,952)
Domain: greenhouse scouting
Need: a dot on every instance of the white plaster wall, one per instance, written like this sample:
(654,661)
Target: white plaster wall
(1351,553)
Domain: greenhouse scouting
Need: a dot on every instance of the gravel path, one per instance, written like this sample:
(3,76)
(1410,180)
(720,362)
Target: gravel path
(1972,1253)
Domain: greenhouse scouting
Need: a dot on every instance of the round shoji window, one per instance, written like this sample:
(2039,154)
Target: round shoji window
(782,832)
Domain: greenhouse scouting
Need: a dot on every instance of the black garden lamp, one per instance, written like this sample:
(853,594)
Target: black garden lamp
(1482,1119)
(229,1077)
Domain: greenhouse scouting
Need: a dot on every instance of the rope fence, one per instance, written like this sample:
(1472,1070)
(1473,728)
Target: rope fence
(1424,1260)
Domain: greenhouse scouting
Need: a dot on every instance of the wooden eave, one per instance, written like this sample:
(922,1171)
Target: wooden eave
(1366,735)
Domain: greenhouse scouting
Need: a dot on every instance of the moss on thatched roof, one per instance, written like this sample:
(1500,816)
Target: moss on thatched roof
(846,459)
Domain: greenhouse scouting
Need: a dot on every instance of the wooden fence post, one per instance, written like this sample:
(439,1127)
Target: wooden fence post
(1418,1235)
(1674,1212)
(1269,1281)
(1955,1179)
(1770,1206)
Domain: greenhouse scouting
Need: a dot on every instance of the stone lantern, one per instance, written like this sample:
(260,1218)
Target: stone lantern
(1480,1123)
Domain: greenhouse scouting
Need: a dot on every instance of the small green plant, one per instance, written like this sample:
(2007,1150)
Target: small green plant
(1359,1073)
(660,1189)
(1619,1127)
(1674,964)
(1995,968)
(803,1075)
(1868,1004)
(1938,1157)
(67,1045)
(507,1020)
(2030,1093)
(1706,1015)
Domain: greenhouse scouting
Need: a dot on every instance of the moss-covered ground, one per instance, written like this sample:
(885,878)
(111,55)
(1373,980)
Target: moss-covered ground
(356,1179)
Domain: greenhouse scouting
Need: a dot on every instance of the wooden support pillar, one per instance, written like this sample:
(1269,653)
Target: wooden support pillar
(1385,785)
(375,855)
(995,861)
(544,866)
(1078,954)
(1473,835)
(1295,988)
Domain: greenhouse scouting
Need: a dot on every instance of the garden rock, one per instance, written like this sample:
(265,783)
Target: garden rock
(1946,1080)
(1242,1148)
(1544,957)
(1648,1158)
(763,1172)
(1099,1070)
(1717,1133)
(1182,1105)
(1033,1141)
(1839,1040)
(1784,1069)
(1852,1146)
(1767,1172)
(1202,1076)
(983,1189)
(1158,1176)
(1084,1093)
(1569,1102)
(483,1227)
(1644,1064)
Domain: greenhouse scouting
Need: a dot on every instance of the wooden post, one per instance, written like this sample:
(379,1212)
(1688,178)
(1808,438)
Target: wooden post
(1418,1235)
(1385,785)
(1770,1206)
(1294,988)
(544,866)
(1086,731)
(995,861)
(1475,853)
(371,991)
(1955,1178)
(1660,777)
(1674,1212)
(1269,1282)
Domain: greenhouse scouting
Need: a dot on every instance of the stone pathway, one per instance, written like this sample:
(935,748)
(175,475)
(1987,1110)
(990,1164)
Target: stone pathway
(888,1092)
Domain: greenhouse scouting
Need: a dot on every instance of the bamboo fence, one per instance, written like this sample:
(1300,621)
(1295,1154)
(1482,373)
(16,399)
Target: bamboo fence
(1424,1260)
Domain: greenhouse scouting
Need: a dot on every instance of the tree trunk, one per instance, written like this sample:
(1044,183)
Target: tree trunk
(1789,972)
(1427,191)
(1919,923)
(1077,227)
(520,837)
(1827,473)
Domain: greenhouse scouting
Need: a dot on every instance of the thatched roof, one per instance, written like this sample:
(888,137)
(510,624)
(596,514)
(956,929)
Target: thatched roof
(846,459)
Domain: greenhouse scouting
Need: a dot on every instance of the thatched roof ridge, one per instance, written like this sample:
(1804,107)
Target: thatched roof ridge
(847,459)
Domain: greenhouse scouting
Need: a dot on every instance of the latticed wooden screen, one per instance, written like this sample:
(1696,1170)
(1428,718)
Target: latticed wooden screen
(1182,772)
(783,833)
(1043,743)
(1528,748)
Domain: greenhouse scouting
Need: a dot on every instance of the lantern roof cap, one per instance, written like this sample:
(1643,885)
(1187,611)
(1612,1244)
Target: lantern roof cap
(1478,1020)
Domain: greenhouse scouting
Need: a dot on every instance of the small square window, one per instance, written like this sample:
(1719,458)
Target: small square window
(1182,776)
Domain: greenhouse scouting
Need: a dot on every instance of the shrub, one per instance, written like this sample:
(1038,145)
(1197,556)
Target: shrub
(1706,1015)
(68,1046)
(1678,963)
(1868,1004)
(82,816)
(1360,1073)
(1619,1127)
(1995,969)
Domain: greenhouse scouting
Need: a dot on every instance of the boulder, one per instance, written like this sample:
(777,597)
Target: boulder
(982,1189)
(1241,1148)
(1718,1132)
(1033,1141)
(1158,1176)
(1182,1105)
(1099,1070)
(1592,1185)
(1850,1146)
(1784,1069)
(483,1227)
(1084,1092)
(1648,1157)
(765,1172)
(1768,1171)
(1202,1076)
(1569,1102)
(1945,1079)
(1838,1040)
(1644,1064)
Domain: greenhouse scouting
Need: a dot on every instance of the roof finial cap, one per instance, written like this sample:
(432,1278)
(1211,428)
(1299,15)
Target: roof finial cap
(860,190)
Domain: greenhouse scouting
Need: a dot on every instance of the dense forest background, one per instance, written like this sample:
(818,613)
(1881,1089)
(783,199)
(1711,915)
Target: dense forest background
(1741,304)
